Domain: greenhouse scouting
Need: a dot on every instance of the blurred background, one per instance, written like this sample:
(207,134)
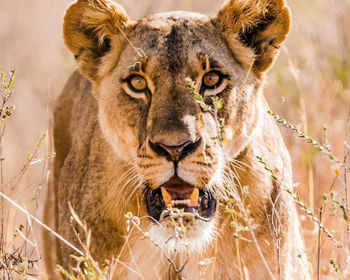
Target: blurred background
(309,86)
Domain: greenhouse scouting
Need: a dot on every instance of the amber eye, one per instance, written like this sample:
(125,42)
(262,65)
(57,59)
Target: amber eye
(212,79)
(137,83)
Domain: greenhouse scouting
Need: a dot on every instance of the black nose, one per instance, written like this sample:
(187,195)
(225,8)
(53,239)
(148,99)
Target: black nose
(175,153)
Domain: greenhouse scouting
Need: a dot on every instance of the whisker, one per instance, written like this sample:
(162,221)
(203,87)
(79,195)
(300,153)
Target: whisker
(131,182)
(135,189)
(135,178)
(246,165)
(127,173)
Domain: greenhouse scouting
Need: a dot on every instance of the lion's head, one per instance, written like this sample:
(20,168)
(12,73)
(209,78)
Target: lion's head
(178,96)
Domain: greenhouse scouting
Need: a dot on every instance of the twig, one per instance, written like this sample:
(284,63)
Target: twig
(250,228)
(136,223)
(319,246)
(303,206)
(346,162)
(346,184)
(29,159)
(308,139)
(239,201)
(295,74)
(212,277)
(276,227)
(129,268)
(41,223)
(336,269)
(6,93)
(2,239)
(309,213)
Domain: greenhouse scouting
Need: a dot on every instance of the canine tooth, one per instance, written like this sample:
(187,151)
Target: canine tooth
(194,197)
(166,196)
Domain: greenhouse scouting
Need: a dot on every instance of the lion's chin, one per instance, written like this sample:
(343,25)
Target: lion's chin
(196,238)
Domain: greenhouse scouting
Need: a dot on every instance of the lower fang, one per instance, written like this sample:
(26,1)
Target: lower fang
(194,197)
(166,196)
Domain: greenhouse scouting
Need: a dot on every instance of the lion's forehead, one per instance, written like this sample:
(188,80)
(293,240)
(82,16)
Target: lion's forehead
(172,37)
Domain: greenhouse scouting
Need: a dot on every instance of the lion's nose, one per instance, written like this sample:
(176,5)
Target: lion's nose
(175,153)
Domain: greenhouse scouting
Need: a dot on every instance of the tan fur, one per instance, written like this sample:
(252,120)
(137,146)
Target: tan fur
(102,134)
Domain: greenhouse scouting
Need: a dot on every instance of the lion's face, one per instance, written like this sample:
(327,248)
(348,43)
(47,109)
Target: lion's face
(151,117)
(177,101)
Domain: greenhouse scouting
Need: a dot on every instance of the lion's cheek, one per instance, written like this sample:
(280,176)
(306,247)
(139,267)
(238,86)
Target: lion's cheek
(233,143)
(120,136)
(241,127)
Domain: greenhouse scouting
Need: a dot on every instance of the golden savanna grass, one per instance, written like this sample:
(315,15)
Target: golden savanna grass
(309,86)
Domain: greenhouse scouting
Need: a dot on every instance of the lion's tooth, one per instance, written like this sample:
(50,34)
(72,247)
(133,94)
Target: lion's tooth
(194,197)
(166,196)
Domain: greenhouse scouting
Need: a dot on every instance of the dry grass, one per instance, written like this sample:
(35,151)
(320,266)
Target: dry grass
(309,86)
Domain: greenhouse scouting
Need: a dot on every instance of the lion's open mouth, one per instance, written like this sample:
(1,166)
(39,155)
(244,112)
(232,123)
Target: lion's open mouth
(179,194)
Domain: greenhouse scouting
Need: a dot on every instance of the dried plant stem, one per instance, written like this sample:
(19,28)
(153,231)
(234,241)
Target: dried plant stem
(135,222)
(133,258)
(214,259)
(346,185)
(29,160)
(336,269)
(307,210)
(295,74)
(2,238)
(41,223)
(239,259)
(346,173)
(311,215)
(6,92)
(251,230)
(319,246)
(308,139)
(129,268)
(259,250)
(276,228)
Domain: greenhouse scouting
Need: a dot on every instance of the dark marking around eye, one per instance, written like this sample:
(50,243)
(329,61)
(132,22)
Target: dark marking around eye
(214,63)
(203,60)
(137,67)
(144,62)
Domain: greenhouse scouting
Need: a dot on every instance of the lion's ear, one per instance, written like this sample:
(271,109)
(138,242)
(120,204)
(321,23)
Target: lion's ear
(259,24)
(88,28)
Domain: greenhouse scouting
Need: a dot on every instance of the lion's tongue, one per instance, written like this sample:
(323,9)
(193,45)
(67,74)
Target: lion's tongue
(177,191)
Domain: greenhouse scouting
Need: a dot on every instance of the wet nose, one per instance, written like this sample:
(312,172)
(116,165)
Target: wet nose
(175,153)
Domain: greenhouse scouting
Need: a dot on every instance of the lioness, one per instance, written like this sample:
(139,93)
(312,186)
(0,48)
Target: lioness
(165,119)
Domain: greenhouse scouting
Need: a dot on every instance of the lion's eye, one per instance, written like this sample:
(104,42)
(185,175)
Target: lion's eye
(137,83)
(212,79)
